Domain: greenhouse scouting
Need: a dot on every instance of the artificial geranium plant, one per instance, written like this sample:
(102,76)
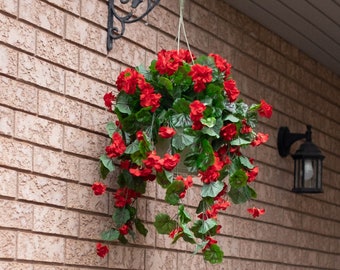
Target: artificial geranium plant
(191,106)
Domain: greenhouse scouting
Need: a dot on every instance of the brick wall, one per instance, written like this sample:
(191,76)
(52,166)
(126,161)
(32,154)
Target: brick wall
(54,70)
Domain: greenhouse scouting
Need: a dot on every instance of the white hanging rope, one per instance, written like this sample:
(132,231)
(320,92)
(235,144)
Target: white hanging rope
(181,26)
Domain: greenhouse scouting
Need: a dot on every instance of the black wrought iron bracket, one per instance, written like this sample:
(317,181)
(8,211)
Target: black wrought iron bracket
(115,32)
(285,139)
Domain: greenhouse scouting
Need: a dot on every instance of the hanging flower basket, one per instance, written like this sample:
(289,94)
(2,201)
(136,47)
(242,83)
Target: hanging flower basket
(191,104)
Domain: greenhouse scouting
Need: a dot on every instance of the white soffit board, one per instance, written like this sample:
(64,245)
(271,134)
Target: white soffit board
(313,26)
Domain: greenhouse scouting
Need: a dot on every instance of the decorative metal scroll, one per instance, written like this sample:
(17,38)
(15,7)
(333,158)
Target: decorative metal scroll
(114,32)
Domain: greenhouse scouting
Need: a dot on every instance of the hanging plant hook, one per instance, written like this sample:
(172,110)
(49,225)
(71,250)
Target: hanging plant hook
(114,32)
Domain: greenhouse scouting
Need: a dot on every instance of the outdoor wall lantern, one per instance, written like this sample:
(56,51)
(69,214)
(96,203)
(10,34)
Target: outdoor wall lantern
(114,32)
(307,160)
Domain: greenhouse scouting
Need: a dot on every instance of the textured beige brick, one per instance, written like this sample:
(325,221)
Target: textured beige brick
(250,249)
(137,32)
(95,11)
(8,61)
(168,23)
(246,65)
(83,142)
(244,228)
(83,253)
(56,221)
(8,186)
(41,73)
(87,35)
(42,15)
(118,255)
(40,247)
(96,119)
(82,197)
(18,95)
(16,215)
(203,18)
(160,259)
(17,33)
(55,163)
(57,50)
(59,108)
(7,244)
(92,226)
(85,89)
(98,67)
(38,130)
(156,207)
(15,266)
(9,6)
(69,5)
(128,53)
(15,154)
(41,189)
(229,245)
(6,121)
(49,267)
(229,33)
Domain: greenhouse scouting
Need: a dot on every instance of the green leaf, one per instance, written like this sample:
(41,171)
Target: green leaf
(180,141)
(207,225)
(212,189)
(140,227)
(183,215)
(110,235)
(122,239)
(241,195)
(163,224)
(135,183)
(239,141)
(173,191)
(164,178)
(188,235)
(232,118)
(122,103)
(181,105)
(103,171)
(204,204)
(245,162)
(214,254)
(238,179)
(180,120)
(200,246)
(111,128)
(209,122)
(121,216)
(132,148)
(166,83)
(144,116)
(107,162)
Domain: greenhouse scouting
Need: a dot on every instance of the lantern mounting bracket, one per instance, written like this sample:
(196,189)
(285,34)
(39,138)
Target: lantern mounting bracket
(285,139)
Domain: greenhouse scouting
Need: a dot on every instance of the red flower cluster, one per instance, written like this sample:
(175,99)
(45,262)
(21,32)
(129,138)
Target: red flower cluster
(245,127)
(125,196)
(231,90)
(256,212)
(166,132)
(124,230)
(102,251)
(127,81)
(211,241)
(251,174)
(148,97)
(170,161)
(212,173)
(117,147)
(98,188)
(201,75)
(265,109)
(108,100)
(168,62)
(175,231)
(228,132)
(196,114)
(260,138)
(187,183)
(221,64)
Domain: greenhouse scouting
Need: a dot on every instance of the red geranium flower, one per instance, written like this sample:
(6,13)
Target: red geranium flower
(201,75)
(102,251)
(127,81)
(139,135)
(221,64)
(259,139)
(211,241)
(169,162)
(148,97)
(117,147)
(124,229)
(98,188)
(252,174)
(256,212)
(124,196)
(228,132)
(231,90)
(166,132)
(108,99)
(265,109)
(175,231)
(196,110)
(245,127)
(153,161)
